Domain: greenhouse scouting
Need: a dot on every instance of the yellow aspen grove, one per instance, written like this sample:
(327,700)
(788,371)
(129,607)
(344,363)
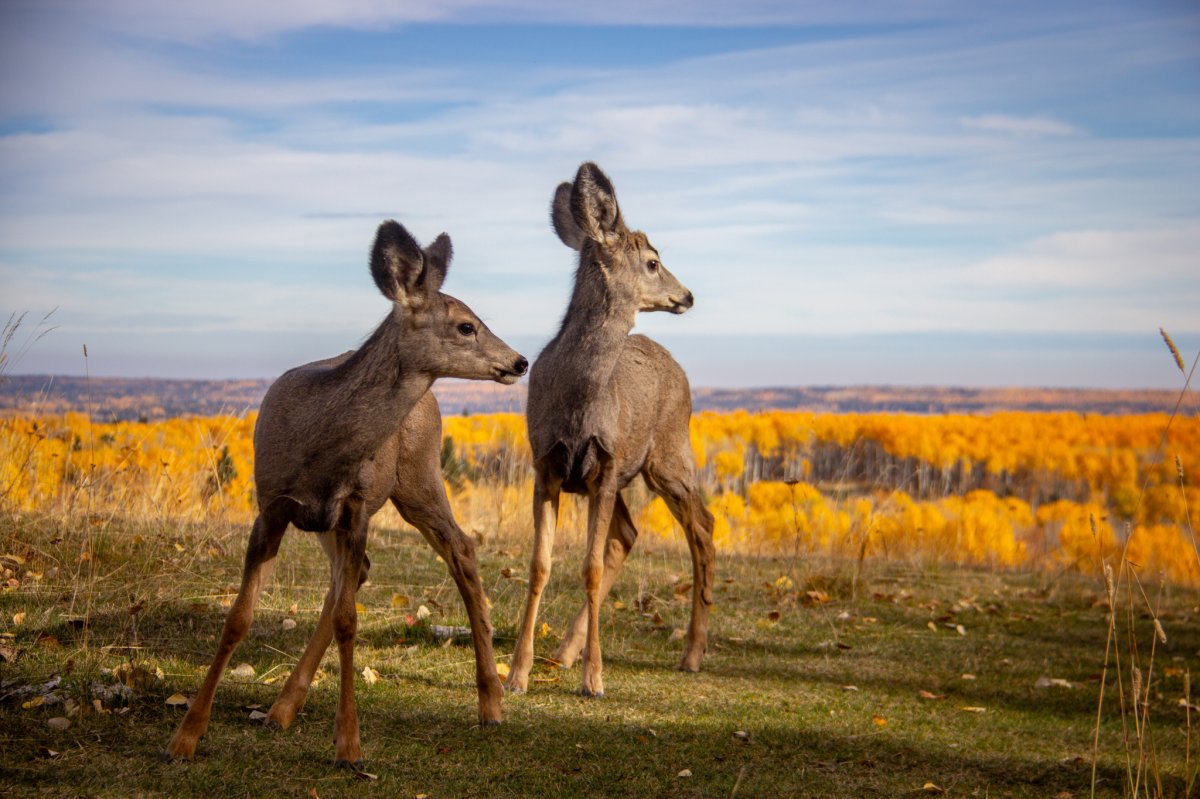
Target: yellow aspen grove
(1010,489)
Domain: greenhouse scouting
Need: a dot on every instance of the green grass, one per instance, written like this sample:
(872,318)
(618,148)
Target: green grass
(783,685)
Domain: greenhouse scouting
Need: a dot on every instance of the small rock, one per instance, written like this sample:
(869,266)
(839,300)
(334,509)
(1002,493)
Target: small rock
(59,723)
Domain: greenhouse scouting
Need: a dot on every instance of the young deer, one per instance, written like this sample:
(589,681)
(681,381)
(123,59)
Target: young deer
(603,407)
(337,438)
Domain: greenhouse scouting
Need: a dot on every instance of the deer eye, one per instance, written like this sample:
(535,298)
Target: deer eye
(467,329)
(652,265)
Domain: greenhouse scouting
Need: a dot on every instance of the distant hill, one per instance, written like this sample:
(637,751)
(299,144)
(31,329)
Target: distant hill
(116,398)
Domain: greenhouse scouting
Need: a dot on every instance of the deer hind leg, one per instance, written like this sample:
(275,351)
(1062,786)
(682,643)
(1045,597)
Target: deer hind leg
(679,490)
(601,501)
(349,562)
(545,521)
(429,511)
(295,690)
(621,536)
(260,555)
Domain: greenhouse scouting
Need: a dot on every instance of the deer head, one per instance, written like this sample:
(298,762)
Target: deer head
(442,335)
(587,218)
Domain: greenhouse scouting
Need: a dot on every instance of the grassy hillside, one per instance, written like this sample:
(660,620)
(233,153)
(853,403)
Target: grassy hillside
(908,682)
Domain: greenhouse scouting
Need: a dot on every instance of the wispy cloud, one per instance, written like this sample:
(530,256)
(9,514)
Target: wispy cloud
(875,167)
(1021,126)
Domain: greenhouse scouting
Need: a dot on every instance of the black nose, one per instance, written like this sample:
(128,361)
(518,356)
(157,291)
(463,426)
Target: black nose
(520,366)
(689,300)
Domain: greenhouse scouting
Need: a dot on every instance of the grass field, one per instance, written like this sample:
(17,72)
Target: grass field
(907,681)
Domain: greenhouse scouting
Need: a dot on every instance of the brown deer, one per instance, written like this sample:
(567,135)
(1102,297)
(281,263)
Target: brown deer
(335,439)
(603,407)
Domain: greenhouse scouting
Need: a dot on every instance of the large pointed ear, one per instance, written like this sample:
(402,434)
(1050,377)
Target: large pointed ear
(437,263)
(565,226)
(594,204)
(397,263)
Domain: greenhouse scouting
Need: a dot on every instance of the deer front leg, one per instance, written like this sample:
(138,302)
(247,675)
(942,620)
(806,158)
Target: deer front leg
(350,555)
(545,520)
(621,536)
(260,554)
(291,699)
(600,510)
(698,526)
(434,519)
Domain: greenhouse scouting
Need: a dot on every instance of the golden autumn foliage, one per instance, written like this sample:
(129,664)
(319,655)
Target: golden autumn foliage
(1014,489)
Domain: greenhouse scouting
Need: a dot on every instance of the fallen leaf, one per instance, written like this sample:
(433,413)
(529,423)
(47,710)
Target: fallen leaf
(742,736)
(59,723)
(370,676)
(958,628)
(257,715)
(502,670)
(47,752)
(400,601)
(506,573)
(969,709)
(243,671)
(1052,682)
(364,775)
(174,700)
(879,720)
(687,772)
(816,597)
(928,695)
(932,626)
(929,787)
(967,677)
(423,613)
(543,631)
(19,618)
(360,607)
(618,605)
(294,609)
(774,616)
(32,703)
(849,687)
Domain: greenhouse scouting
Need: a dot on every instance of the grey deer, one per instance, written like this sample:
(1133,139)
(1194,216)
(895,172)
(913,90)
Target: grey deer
(603,407)
(335,439)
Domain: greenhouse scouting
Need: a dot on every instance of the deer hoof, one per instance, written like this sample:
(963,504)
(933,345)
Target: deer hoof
(342,762)
(485,723)
(592,694)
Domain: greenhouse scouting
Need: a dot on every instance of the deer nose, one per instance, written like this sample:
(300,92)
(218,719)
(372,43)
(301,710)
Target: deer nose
(689,300)
(521,365)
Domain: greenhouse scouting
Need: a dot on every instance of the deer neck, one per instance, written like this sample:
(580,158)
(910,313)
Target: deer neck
(590,342)
(374,390)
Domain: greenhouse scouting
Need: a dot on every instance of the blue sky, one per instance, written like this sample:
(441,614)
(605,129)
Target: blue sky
(912,193)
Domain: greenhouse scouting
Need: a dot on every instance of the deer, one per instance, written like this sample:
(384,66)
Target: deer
(337,438)
(604,406)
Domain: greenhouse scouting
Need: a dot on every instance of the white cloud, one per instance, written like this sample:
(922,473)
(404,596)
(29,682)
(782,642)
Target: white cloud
(1020,126)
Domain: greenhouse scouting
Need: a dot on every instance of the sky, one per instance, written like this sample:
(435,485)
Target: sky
(914,193)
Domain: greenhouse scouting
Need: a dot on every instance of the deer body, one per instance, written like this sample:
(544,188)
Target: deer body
(605,406)
(337,438)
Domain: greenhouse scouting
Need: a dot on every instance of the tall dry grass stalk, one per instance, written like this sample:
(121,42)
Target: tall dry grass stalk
(1143,775)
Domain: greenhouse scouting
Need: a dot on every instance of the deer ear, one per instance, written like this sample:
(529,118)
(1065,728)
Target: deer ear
(565,226)
(437,263)
(594,204)
(397,263)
